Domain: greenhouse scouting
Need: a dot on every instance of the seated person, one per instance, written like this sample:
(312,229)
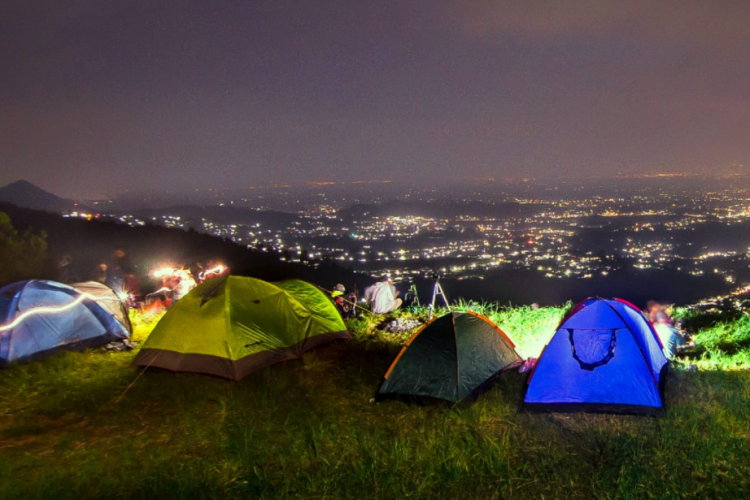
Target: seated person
(383,296)
(671,337)
(338,291)
(344,304)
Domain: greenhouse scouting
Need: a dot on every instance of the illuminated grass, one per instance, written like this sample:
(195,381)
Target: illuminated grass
(306,429)
(722,342)
(530,329)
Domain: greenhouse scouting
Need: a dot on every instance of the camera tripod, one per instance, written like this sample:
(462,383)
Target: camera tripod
(437,290)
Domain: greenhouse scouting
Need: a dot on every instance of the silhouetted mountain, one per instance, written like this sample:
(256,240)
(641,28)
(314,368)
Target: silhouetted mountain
(27,195)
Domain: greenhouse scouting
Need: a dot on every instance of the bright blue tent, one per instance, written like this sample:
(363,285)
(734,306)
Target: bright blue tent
(604,357)
(39,318)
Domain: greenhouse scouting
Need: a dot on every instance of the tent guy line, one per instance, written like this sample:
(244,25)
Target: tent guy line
(122,395)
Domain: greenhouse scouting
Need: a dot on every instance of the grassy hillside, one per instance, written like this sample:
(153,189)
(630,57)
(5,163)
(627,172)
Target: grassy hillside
(88,424)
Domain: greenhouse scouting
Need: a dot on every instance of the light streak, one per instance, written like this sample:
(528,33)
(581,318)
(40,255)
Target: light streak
(216,270)
(164,272)
(47,310)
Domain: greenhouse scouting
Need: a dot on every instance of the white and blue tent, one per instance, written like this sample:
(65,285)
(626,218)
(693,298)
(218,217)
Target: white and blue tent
(39,318)
(604,357)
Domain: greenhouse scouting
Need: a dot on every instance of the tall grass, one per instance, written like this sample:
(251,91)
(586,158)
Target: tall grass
(722,342)
(306,429)
(529,328)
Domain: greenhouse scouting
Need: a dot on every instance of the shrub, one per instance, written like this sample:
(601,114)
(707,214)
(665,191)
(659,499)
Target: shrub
(22,256)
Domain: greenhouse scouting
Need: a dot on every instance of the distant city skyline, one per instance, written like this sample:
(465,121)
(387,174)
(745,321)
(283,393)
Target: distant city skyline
(103,97)
(687,237)
(738,175)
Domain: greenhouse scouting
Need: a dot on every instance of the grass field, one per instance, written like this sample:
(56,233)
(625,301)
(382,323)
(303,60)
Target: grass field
(74,427)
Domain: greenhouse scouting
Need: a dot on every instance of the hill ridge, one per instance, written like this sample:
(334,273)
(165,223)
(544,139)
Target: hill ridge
(28,195)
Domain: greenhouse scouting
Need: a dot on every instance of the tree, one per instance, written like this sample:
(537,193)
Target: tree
(21,256)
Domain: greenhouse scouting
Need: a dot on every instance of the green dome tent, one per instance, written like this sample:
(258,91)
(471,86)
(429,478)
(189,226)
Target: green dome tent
(233,326)
(454,357)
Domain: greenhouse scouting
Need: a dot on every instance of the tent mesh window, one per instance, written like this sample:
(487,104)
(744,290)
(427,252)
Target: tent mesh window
(595,347)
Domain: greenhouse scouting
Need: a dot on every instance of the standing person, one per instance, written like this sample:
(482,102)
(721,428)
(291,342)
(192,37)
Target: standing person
(121,276)
(65,273)
(100,273)
(184,284)
(383,296)
(117,269)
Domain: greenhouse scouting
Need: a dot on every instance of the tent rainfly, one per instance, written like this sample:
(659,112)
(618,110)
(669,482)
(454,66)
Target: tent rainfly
(108,299)
(39,318)
(454,357)
(604,357)
(233,326)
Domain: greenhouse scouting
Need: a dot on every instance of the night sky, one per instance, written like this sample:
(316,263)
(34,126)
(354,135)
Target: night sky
(101,96)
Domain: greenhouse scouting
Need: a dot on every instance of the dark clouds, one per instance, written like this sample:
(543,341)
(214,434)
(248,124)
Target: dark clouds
(102,95)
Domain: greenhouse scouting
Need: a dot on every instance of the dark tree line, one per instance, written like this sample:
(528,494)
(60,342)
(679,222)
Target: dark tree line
(86,244)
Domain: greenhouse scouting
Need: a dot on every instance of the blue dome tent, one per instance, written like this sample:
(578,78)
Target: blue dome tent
(604,357)
(39,318)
